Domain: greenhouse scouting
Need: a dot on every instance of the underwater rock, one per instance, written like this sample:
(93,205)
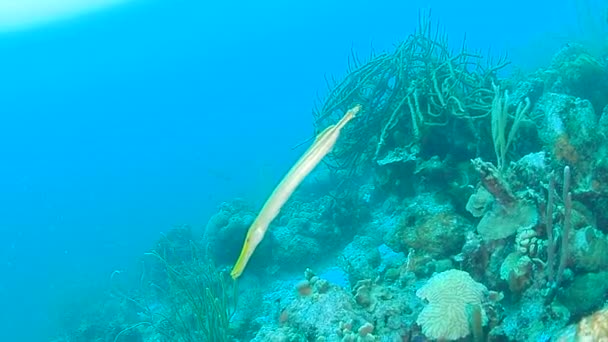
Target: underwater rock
(366,329)
(226,230)
(318,315)
(315,283)
(392,274)
(603,122)
(576,72)
(531,88)
(279,334)
(389,258)
(479,202)
(473,257)
(585,294)
(590,250)
(530,169)
(368,294)
(292,250)
(363,334)
(502,222)
(516,271)
(440,235)
(362,258)
(569,129)
(429,228)
(443,265)
(305,230)
(392,309)
(591,328)
(531,320)
(325,219)
(577,137)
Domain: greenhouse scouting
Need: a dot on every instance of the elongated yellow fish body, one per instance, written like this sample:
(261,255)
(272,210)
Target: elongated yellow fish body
(323,144)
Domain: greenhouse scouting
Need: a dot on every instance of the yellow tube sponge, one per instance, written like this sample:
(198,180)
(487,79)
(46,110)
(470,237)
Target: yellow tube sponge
(453,298)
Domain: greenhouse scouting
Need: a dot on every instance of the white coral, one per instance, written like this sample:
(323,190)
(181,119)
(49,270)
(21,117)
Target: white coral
(451,295)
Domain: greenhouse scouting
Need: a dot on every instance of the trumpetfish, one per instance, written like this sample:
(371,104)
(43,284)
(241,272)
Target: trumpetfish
(322,145)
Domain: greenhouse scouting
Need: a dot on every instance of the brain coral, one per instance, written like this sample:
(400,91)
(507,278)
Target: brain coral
(451,295)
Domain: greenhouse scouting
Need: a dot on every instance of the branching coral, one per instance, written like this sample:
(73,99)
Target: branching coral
(421,85)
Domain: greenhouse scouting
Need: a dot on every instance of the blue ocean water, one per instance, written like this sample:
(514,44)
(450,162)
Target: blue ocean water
(117,124)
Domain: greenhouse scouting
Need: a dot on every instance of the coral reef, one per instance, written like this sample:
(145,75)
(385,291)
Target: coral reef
(460,205)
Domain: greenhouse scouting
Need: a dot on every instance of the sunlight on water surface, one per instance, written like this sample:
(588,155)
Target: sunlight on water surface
(27,14)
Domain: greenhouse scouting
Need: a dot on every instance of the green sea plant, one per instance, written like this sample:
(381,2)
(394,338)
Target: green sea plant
(413,96)
(200,299)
